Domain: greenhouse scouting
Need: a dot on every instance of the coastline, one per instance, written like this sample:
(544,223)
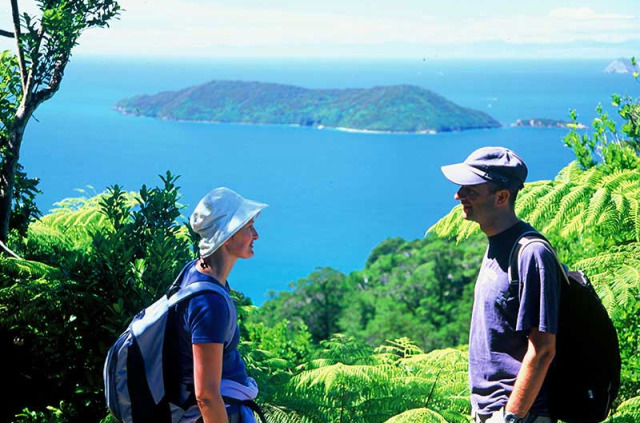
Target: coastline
(124,111)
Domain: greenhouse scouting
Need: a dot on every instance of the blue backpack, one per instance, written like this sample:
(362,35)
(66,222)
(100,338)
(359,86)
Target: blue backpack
(137,370)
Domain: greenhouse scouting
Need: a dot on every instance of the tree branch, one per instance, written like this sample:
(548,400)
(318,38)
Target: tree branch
(34,61)
(16,30)
(45,94)
(7,34)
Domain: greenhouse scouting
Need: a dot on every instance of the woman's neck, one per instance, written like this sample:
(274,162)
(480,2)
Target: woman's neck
(218,265)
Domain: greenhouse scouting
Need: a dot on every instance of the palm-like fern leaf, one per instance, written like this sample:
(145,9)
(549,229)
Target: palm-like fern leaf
(418,415)
(28,270)
(615,274)
(628,411)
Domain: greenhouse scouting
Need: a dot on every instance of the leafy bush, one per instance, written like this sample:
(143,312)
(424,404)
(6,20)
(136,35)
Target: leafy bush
(99,262)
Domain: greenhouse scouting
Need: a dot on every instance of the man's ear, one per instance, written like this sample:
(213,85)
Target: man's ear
(502,196)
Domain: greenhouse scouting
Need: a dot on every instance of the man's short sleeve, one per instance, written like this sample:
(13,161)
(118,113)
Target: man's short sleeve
(539,289)
(208,318)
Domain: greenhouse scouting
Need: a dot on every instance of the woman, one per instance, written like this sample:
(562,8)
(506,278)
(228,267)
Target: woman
(210,366)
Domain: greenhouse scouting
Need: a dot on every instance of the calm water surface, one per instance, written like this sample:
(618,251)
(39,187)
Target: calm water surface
(333,195)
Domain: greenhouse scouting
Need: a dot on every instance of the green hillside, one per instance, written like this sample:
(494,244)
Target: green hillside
(398,108)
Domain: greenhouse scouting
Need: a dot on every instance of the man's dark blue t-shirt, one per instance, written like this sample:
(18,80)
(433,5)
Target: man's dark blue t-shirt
(501,322)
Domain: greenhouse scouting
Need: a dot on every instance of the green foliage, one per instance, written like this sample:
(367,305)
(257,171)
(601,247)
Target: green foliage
(47,41)
(98,262)
(31,77)
(51,415)
(420,289)
(607,146)
(366,387)
(317,301)
(10,93)
(628,326)
(24,210)
(400,108)
(628,412)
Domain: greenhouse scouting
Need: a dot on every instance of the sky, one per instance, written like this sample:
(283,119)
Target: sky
(362,29)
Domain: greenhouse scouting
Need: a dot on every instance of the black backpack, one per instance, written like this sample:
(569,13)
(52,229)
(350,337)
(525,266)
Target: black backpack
(584,378)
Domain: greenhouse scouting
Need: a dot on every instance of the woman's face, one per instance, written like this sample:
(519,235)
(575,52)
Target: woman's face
(241,243)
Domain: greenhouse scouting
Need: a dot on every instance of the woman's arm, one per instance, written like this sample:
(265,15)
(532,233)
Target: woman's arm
(207,373)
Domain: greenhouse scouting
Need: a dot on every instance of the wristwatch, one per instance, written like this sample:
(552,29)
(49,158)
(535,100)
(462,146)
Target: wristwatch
(512,418)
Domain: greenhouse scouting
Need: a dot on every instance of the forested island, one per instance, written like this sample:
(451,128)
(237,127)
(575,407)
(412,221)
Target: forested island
(398,108)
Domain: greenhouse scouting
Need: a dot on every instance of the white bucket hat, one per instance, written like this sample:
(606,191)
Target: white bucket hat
(220,214)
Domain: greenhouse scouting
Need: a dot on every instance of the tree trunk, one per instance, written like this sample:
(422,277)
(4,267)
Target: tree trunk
(8,169)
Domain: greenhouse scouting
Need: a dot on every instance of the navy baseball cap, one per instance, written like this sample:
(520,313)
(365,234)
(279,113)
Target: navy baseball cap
(489,164)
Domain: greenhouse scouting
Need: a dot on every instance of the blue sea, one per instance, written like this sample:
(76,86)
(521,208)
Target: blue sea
(333,195)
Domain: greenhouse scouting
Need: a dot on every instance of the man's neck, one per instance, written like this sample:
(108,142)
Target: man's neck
(499,224)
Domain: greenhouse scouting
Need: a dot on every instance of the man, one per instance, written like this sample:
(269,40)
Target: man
(513,328)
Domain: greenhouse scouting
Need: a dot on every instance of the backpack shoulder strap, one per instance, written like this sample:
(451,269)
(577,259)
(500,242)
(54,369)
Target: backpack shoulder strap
(199,287)
(521,243)
(196,288)
(175,286)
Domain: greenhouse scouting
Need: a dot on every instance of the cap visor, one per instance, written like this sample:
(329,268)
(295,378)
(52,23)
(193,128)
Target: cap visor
(461,174)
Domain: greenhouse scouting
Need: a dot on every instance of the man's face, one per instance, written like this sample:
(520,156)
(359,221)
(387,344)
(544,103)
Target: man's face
(478,201)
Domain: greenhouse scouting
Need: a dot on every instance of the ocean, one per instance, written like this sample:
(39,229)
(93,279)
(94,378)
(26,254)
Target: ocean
(333,195)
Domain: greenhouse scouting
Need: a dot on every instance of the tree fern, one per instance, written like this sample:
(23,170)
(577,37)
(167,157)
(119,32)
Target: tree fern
(571,205)
(627,412)
(276,414)
(27,270)
(615,275)
(547,205)
(398,377)
(528,198)
(418,415)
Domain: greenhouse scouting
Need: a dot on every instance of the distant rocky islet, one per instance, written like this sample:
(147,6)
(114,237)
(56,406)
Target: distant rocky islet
(622,65)
(547,123)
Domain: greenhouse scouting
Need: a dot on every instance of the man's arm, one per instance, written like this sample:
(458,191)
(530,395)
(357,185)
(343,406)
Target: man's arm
(536,362)
(207,374)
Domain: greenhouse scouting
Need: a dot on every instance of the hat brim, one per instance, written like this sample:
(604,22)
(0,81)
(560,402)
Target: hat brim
(462,174)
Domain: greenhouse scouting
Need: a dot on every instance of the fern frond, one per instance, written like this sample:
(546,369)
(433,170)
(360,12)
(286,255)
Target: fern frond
(615,275)
(329,376)
(634,217)
(628,411)
(597,205)
(531,193)
(467,229)
(546,206)
(447,227)
(592,177)
(571,206)
(401,348)
(29,270)
(418,415)
(276,414)
(618,178)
